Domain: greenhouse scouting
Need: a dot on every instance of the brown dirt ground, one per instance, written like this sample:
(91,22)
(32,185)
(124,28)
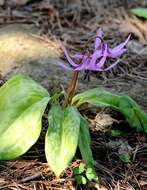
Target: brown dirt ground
(74,24)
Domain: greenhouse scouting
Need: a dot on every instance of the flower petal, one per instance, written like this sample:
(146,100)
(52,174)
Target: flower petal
(68,57)
(101,63)
(66,67)
(79,56)
(116,53)
(98,40)
(84,65)
(96,60)
(112,65)
(120,46)
(97,54)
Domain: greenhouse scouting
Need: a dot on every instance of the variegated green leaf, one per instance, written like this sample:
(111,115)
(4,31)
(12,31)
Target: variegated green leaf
(62,137)
(85,149)
(22,103)
(135,116)
(85,143)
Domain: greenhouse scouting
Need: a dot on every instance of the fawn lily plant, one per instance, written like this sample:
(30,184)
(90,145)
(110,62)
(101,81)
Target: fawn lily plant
(23,102)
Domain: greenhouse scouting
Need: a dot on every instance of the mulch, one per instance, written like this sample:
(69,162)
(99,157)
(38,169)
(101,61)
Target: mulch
(75,24)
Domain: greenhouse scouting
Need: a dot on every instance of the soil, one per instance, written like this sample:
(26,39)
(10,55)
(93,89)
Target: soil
(75,23)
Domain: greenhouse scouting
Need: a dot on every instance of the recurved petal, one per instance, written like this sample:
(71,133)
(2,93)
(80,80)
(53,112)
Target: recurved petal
(84,65)
(111,66)
(102,61)
(116,54)
(98,39)
(65,66)
(96,55)
(100,64)
(69,58)
(80,56)
(120,46)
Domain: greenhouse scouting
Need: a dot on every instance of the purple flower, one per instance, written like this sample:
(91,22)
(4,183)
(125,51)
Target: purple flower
(97,60)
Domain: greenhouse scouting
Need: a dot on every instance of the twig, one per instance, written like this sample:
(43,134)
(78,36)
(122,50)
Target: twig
(31,177)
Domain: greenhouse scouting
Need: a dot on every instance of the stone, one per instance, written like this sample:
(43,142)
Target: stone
(21,51)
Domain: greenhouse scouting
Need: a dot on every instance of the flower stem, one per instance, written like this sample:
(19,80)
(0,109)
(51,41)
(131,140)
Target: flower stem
(71,89)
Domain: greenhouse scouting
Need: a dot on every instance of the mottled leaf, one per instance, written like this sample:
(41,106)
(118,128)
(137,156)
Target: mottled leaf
(85,143)
(22,103)
(62,137)
(135,116)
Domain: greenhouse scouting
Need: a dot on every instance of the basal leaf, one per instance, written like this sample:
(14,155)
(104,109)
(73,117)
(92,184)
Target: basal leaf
(135,116)
(23,133)
(142,118)
(85,148)
(22,103)
(85,143)
(127,106)
(140,12)
(62,137)
(96,96)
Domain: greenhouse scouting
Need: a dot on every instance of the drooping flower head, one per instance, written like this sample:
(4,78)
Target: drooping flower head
(97,60)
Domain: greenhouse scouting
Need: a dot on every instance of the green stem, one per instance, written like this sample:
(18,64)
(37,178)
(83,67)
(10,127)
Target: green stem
(71,89)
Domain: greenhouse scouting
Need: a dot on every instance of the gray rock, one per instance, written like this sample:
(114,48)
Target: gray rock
(22,52)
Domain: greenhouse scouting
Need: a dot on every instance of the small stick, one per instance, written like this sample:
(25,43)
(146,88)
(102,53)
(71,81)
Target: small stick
(31,177)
